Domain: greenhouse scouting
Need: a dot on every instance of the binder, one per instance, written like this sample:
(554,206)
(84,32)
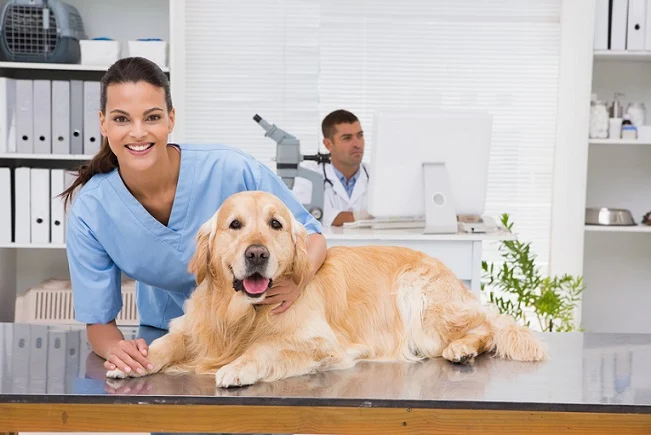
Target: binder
(22,189)
(38,359)
(635,38)
(60,117)
(92,135)
(601,24)
(56,360)
(647,36)
(76,116)
(24,116)
(42,117)
(40,205)
(6,208)
(20,360)
(7,115)
(57,212)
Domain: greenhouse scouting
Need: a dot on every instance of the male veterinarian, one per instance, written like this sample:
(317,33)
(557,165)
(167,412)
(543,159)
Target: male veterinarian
(345,179)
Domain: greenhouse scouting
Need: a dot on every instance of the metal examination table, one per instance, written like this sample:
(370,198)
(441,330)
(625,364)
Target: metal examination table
(595,383)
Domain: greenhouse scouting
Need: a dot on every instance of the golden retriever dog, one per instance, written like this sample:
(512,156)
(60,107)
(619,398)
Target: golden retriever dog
(365,303)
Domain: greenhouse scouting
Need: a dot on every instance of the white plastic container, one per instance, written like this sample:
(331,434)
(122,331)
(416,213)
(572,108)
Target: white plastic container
(99,52)
(154,50)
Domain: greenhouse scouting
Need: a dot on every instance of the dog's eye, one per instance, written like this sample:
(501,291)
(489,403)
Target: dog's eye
(275,224)
(235,225)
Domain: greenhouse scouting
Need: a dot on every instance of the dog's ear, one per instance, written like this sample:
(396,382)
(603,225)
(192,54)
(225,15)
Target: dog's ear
(301,266)
(200,262)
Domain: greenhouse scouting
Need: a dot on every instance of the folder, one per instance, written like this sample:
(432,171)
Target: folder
(20,360)
(40,205)
(56,360)
(7,115)
(647,36)
(24,116)
(76,116)
(601,24)
(6,208)
(636,35)
(92,135)
(57,212)
(60,117)
(38,359)
(42,117)
(22,188)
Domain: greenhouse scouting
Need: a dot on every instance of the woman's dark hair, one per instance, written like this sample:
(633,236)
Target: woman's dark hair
(127,70)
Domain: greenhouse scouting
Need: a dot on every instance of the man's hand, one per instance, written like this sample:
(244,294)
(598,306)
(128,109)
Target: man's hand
(284,292)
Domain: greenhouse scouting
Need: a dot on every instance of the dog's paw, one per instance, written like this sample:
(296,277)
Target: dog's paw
(236,375)
(459,352)
(116,374)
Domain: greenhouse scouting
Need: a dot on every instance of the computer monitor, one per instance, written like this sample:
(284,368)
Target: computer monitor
(429,165)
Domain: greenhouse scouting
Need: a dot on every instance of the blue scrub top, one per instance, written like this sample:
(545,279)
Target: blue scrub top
(110,232)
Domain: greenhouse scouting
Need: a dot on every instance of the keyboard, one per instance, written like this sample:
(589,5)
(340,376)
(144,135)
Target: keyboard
(387,223)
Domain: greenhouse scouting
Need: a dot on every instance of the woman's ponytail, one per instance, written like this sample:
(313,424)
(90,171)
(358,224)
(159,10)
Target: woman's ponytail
(101,163)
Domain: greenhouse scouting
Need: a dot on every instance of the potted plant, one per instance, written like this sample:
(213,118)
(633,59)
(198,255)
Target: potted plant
(518,288)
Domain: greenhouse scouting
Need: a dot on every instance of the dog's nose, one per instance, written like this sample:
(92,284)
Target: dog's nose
(256,255)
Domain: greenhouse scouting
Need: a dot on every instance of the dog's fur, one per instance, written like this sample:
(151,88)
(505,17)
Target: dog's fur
(364,303)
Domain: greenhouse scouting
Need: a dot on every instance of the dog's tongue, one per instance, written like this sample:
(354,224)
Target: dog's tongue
(256,284)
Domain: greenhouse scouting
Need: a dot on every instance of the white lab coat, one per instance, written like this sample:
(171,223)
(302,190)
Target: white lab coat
(335,197)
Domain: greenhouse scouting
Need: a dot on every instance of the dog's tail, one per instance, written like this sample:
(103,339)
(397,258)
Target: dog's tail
(514,341)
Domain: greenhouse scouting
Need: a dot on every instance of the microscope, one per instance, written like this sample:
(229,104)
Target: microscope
(288,157)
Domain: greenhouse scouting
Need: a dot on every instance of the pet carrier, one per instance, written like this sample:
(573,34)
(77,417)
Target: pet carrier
(40,31)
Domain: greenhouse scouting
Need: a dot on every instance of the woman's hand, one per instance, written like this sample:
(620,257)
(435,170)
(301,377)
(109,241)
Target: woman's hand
(129,355)
(285,293)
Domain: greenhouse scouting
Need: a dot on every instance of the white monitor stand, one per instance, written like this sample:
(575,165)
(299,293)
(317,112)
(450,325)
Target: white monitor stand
(440,214)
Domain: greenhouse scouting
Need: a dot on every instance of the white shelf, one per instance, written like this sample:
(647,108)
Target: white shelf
(33,245)
(635,56)
(17,156)
(634,142)
(57,66)
(619,229)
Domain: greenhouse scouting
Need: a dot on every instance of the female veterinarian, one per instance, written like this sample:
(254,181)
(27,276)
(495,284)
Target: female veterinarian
(140,204)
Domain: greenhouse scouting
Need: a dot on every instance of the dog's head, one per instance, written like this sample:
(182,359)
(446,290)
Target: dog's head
(252,240)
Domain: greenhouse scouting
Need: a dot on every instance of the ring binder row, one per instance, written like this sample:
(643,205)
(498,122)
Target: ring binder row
(30,210)
(49,116)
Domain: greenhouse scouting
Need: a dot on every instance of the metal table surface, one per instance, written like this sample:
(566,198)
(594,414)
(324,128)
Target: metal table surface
(50,380)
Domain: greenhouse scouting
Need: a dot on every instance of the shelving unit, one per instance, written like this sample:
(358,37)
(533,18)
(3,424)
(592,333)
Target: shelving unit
(616,258)
(24,265)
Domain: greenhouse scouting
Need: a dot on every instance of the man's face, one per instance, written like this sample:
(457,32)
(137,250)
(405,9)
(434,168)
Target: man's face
(347,144)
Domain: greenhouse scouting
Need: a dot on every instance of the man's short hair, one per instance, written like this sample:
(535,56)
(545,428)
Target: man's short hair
(330,122)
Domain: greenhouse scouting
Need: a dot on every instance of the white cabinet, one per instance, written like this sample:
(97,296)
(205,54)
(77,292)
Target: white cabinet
(23,265)
(617,260)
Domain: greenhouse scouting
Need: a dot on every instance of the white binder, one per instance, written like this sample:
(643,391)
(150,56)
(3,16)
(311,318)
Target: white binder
(601,24)
(57,212)
(618,25)
(42,117)
(56,360)
(40,205)
(24,116)
(6,209)
(92,135)
(38,359)
(647,36)
(7,115)
(22,189)
(60,117)
(635,39)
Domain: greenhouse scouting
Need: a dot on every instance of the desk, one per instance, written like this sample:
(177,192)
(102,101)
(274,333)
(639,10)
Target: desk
(461,252)
(594,383)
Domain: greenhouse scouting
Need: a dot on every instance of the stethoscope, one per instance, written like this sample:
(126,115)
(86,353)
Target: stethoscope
(327,180)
